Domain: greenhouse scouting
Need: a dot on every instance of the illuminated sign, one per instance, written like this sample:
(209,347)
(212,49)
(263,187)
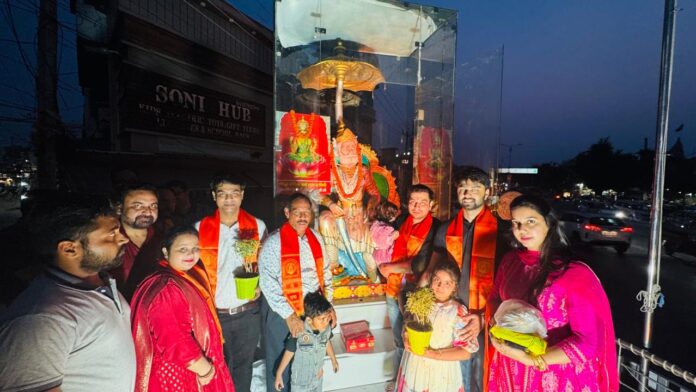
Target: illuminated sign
(518,170)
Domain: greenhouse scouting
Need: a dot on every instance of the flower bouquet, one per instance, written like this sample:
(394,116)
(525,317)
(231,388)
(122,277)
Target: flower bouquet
(246,277)
(419,305)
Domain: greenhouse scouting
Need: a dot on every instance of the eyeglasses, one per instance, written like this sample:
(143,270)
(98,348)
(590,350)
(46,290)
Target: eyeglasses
(229,195)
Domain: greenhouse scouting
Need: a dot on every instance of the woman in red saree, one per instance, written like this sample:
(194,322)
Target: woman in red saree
(177,341)
(581,354)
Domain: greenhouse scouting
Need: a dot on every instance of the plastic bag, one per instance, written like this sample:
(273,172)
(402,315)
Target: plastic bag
(519,316)
(521,325)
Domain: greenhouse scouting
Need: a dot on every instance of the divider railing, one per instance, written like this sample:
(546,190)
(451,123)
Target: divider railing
(655,380)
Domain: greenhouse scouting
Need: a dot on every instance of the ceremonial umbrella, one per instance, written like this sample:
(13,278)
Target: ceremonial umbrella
(341,71)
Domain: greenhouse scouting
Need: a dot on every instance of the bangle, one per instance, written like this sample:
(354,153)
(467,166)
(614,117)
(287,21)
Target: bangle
(539,363)
(210,371)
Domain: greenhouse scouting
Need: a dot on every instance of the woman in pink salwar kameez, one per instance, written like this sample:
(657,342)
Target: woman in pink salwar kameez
(581,353)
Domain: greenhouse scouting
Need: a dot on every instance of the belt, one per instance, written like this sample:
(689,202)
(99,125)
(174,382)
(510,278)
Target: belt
(239,309)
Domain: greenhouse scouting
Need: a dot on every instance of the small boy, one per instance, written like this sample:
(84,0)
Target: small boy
(309,348)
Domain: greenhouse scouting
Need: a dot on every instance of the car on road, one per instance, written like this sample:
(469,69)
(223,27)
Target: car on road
(679,236)
(593,229)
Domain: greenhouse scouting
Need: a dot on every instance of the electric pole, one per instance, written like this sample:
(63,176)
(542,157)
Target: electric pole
(48,124)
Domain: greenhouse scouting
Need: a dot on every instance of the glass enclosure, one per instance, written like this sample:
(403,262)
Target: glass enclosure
(405,115)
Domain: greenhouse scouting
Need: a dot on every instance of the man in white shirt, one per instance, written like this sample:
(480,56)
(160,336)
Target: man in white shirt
(299,250)
(219,235)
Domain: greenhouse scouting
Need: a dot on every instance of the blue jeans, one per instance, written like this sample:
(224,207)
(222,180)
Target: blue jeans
(472,369)
(397,324)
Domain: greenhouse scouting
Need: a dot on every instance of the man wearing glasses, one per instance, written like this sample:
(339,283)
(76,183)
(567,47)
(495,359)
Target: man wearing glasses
(219,235)
(412,251)
(291,265)
(137,209)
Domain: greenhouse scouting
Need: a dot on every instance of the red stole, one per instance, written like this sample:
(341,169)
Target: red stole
(291,271)
(406,247)
(209,237)
(140,324)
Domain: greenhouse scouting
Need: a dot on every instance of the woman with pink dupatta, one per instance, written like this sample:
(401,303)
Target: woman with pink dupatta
(581,354)
(178,343)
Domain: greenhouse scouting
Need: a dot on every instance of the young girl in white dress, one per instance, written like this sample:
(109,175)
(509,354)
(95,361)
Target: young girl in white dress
(438,370)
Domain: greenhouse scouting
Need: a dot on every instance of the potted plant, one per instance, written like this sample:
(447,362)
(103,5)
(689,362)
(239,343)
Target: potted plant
(246,277)
(419,305)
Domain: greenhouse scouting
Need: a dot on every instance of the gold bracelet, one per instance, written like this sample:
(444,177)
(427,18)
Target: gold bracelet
(539,363)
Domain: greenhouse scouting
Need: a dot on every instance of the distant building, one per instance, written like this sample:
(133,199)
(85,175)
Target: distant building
(174,90)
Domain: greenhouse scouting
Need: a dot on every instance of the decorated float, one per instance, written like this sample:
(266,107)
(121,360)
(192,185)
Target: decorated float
(364,108)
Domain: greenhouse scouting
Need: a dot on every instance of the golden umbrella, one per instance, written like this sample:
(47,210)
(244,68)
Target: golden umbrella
(340,72)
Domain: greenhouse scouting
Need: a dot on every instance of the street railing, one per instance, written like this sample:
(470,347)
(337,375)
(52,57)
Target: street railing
(651,381)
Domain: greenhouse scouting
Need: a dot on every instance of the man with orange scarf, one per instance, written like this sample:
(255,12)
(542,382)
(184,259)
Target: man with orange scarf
(412,251)
(291,265)
(473,239)
(219,233)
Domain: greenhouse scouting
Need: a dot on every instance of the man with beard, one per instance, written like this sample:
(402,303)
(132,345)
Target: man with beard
(137,208)
(474,239)
(291,265)
(70,329)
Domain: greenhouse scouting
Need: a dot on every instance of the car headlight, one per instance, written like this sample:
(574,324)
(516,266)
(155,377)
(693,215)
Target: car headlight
(620,215)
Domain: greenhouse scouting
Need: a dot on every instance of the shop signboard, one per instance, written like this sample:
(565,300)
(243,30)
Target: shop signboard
(156,103)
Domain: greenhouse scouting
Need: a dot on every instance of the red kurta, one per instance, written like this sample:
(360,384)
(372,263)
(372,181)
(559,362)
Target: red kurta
(172,327)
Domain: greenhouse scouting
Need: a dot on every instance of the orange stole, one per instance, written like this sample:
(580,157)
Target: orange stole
(290,268)
(482,254)
(406,247)
(209,237)
(198,277)
(481,269)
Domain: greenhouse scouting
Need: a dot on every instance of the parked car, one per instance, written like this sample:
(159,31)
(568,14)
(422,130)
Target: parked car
(604,208)
(679,236)
(592,229)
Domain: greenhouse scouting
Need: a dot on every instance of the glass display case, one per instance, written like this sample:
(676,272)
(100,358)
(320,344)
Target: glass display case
(364,108)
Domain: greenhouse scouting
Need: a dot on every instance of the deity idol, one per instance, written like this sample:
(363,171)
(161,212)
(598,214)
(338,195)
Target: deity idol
(303,160)
(345,226)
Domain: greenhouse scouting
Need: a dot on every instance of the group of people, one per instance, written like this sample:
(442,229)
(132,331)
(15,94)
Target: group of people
(476,261)
(186,329)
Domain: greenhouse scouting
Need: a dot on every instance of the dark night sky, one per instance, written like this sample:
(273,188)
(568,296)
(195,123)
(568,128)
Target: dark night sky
(575,71)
